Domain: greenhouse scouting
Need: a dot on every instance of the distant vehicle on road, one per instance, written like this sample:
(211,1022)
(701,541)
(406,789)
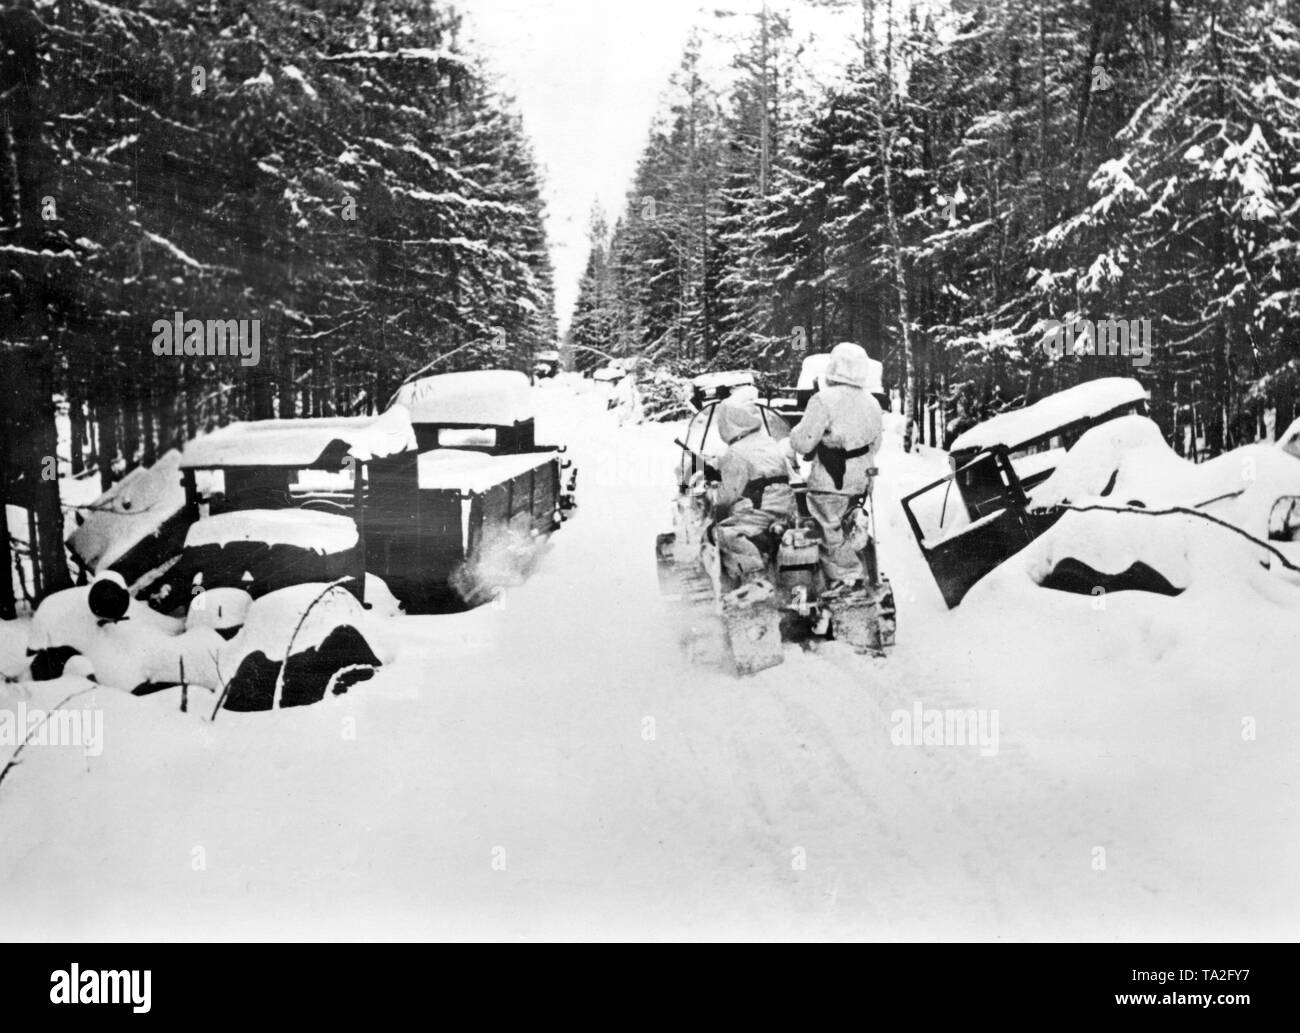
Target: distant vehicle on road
(546,364)
(610,374)
(714,387)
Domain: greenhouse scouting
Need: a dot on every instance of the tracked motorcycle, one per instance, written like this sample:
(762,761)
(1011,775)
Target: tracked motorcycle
(745,625)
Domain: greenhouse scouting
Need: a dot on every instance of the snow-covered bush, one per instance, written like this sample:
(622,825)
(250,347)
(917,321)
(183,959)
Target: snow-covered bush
(665,396)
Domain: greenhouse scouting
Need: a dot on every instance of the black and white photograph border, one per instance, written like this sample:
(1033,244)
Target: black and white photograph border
(586,470)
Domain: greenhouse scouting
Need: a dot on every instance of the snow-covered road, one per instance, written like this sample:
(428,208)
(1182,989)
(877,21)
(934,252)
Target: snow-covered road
(551,767)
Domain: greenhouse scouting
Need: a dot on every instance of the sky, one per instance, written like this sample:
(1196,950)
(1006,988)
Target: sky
(587,75)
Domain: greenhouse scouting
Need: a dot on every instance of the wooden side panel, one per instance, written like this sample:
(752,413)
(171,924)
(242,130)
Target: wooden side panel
(442,534)
(392,517)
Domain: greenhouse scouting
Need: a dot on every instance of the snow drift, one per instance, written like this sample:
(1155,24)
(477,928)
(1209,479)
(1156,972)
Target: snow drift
(1148,509)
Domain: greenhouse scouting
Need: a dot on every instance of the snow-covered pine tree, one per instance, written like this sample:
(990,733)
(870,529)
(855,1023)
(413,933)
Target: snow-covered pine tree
(343,172)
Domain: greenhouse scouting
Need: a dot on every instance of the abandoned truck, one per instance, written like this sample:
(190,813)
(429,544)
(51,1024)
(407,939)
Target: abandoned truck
(472,506)
(440,496)
(749,638)
(283,502)
(256,546)
(972,520)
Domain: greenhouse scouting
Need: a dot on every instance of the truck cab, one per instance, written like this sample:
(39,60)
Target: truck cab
(281,502)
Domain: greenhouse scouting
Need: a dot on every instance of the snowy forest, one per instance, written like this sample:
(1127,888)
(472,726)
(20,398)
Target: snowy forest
(980,169)
(666,470)
(344,172)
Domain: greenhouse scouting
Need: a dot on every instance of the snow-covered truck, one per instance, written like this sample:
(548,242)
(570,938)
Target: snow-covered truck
(464,516)
(442,496)
(257,526)
(284,502)
(1134,515)
(970,521)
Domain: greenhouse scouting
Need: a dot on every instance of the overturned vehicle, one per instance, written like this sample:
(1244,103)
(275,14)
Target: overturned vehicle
(970,521)
(722,622)
(1085,482)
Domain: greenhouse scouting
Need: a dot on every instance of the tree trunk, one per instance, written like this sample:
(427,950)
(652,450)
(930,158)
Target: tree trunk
(107,452)
(262,387)
(900,285)
(47,549)
(1045,215)
(284,374)
(149,423)
(8,602)
(77,426)
(131,423)
(190,413)
(1284,404)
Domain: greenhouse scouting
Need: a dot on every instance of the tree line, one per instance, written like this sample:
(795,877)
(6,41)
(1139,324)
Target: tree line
(343,172)
(979,175)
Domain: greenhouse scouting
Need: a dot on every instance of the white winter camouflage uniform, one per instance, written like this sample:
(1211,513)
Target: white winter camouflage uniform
(753,465)
(841,415)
